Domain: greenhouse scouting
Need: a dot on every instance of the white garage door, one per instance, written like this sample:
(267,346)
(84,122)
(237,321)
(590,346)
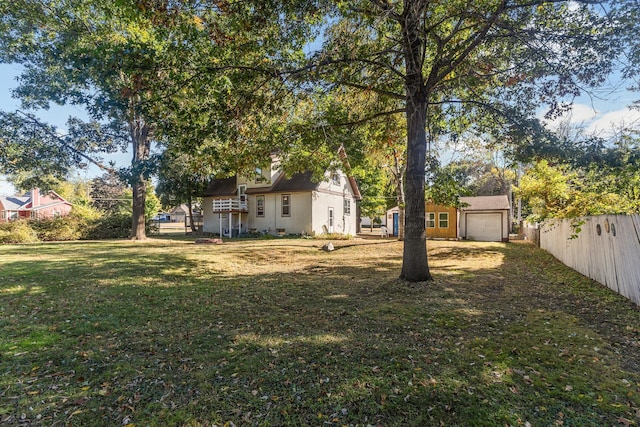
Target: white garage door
(485,227)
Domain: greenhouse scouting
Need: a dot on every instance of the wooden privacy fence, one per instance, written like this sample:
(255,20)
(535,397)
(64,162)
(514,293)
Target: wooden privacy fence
(607,249)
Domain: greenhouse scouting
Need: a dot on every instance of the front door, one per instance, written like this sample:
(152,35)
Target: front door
(331,220)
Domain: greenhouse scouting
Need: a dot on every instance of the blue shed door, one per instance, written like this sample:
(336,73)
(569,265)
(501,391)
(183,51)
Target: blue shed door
(395,224)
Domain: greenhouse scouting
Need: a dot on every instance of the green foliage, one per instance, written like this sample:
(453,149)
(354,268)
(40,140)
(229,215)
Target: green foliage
(86,213)
(560,191)
(372,182)
(109,226)
(83,223)
(30,152)
(444,185)
(18,231)
(76,191)
(152,204)
(546,190)
(182,179)
(108,192)
(61,228)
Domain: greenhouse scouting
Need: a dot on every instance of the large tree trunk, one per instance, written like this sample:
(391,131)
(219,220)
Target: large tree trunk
(138,224)
(140,137)
(401,214)
(415,267)
(194,230)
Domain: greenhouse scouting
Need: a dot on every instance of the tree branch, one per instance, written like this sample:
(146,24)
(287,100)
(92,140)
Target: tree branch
(473,42)
(64,144)
(372,89)
(373,116)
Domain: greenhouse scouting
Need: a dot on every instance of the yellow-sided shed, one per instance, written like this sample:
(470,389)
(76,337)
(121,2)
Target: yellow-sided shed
(441,222)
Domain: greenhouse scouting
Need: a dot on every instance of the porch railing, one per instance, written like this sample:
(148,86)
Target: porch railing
(230,205)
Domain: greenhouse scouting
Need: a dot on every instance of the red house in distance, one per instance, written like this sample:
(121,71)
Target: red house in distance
(33,205)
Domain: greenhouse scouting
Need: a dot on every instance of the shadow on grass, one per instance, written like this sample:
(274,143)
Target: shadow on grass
(281,334)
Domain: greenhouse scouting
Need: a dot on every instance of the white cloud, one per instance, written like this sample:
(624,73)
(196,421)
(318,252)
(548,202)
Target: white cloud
(581,113)
(578,116)
(603,124)
(606,124)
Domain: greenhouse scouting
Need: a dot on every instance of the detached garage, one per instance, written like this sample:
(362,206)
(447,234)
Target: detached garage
(485,218)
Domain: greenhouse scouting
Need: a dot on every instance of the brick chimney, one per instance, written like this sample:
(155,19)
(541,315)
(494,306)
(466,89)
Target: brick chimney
(35,198)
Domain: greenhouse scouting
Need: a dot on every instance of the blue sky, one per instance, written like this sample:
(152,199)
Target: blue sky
(599,113)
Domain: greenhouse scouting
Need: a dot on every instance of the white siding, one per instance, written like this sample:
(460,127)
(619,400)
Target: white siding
(269,177)
(268,223)
(209,220)
(332,195)
(343,224)
(299,220)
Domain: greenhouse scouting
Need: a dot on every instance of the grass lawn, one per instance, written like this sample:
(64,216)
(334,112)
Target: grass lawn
(278,332)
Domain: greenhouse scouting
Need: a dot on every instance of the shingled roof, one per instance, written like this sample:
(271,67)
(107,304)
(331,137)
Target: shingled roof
(221,187)
(14,203)
(296,182)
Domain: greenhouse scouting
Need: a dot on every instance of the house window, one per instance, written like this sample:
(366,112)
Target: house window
(260,206)
(259,177)
(335,178)
(431,219)
(443,219)
(347,206)
(4,214)
(286,205)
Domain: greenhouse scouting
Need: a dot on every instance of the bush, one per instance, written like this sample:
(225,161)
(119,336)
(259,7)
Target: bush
(18,231)
(82,224)
(111,226)
(60,228)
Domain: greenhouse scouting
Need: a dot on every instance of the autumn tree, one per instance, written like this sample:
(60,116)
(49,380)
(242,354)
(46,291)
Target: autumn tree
(423,54)
(564,191)
(582,174)
(114,59)
(108,192)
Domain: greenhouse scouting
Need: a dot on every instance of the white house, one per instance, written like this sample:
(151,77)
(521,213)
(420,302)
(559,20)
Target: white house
(273,203)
